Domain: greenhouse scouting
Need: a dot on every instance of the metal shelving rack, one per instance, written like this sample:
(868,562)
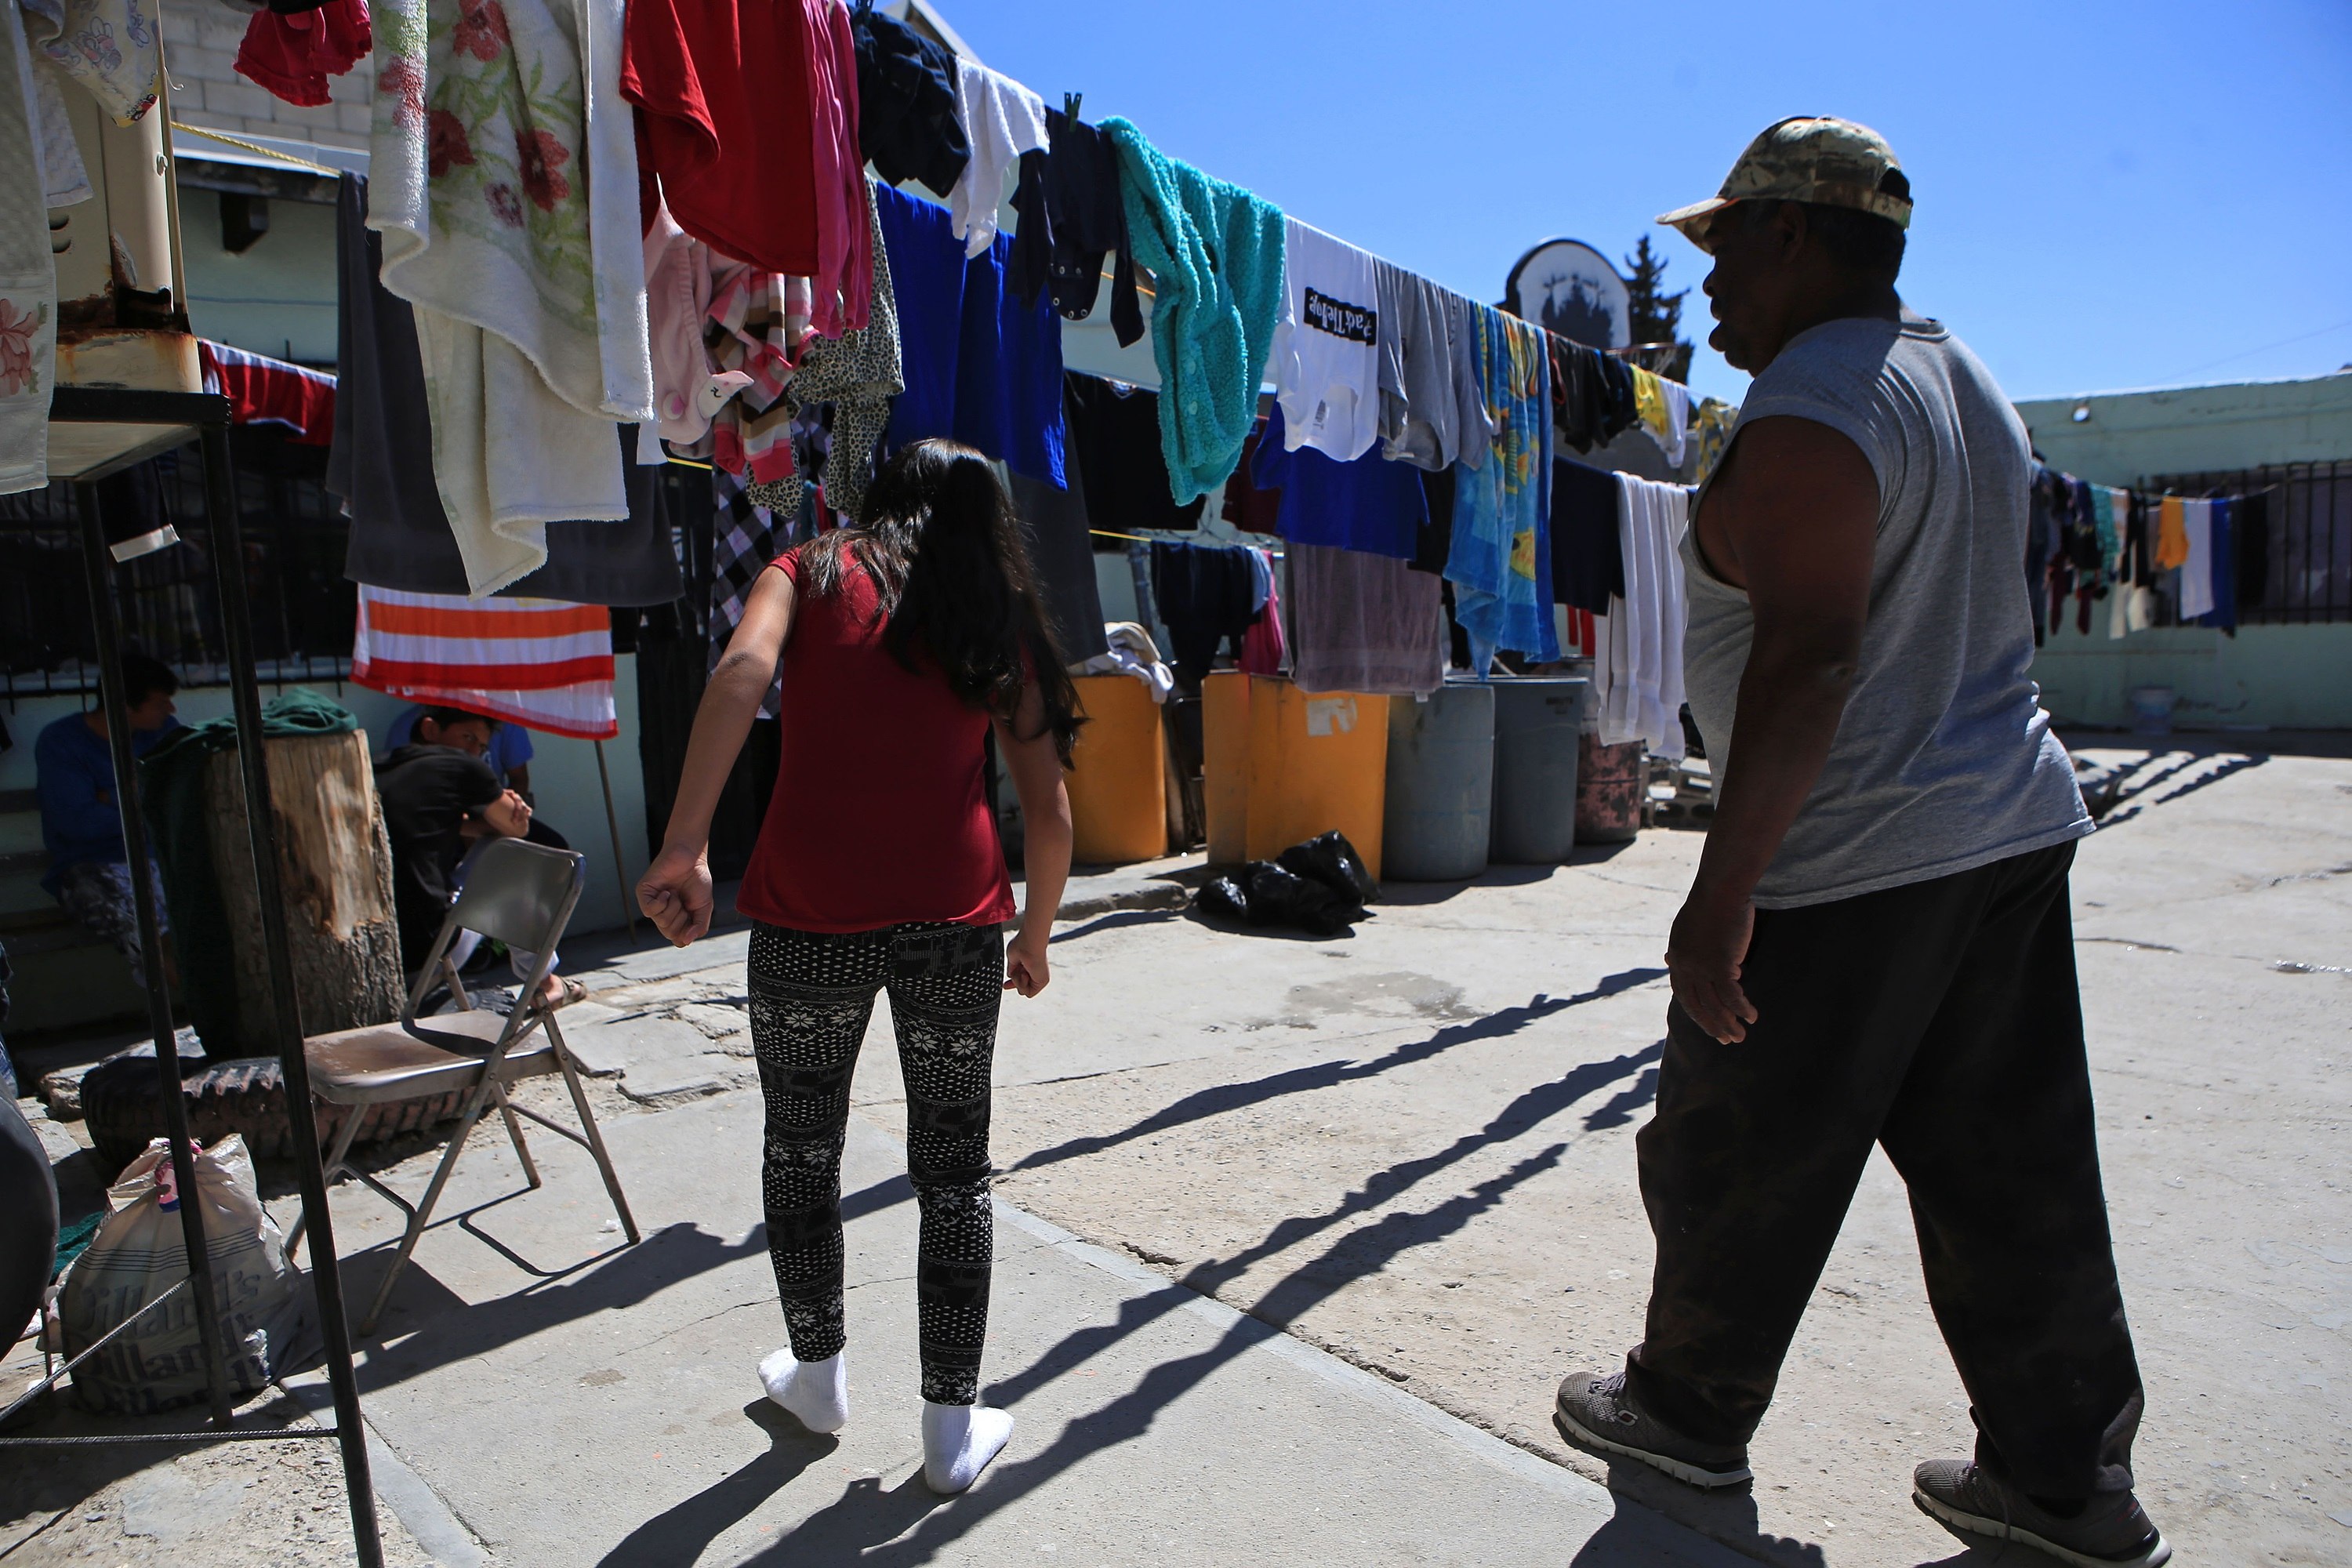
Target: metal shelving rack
(173,418)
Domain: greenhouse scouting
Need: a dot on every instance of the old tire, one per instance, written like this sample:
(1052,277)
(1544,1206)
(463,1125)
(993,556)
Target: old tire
(122,1105)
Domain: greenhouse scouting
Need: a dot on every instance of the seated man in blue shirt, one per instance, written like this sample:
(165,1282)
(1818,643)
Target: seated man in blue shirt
(81,825)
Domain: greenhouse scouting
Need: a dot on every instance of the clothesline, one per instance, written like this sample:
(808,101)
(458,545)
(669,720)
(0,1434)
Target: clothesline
(240,142)
(1419,422)
(1147,291)
(2156,558)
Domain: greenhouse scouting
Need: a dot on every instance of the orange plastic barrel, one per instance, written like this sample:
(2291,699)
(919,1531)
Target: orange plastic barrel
(1118,774)
(1280,765)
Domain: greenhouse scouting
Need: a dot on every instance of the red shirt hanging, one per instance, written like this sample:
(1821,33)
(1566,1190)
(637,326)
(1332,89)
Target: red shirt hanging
(292,53)
(748,115)
(880,815)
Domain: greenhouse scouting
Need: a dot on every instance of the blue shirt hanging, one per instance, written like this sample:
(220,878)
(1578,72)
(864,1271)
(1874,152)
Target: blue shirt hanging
(979,366)
(1500,563)
(1008,397)
(1370,504)
(927,269)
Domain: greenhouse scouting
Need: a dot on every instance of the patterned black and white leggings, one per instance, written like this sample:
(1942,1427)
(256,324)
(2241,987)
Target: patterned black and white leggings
(812,995)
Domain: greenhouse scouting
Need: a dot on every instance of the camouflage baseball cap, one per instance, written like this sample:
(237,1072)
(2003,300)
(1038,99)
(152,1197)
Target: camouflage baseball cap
(1809,158)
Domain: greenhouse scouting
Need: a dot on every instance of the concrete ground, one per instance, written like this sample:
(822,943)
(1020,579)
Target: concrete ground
(540,1393)
(1410,1152)
(1415,1147)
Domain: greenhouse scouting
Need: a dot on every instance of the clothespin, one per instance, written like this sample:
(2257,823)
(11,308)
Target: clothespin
(1070,101)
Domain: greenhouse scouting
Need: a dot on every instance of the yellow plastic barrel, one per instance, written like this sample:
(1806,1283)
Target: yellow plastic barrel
(1118,774)
(1280,765)
(1225,766)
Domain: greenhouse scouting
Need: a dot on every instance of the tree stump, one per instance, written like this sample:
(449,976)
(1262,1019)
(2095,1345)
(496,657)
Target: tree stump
(334,884)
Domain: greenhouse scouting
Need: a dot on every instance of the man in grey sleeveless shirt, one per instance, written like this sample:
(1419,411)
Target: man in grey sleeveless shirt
(1877,949)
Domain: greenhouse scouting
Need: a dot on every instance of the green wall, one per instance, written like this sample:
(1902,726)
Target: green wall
(2277,678)
(2133,435)
(2282,678)
(278,297)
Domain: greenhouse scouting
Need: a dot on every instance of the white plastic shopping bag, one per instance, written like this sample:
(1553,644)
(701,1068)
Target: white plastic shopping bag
(140,1251)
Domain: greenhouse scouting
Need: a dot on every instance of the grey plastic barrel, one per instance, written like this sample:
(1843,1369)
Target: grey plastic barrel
(1440,786)
(1536,724)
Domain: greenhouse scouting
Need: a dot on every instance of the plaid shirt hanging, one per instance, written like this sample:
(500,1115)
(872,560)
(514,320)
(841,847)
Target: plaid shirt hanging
(747,539)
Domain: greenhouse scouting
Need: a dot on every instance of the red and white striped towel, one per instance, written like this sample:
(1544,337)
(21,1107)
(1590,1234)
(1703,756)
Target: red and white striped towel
(545,664)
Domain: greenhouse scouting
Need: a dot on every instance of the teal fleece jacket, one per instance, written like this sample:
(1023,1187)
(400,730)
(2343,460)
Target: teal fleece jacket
(1215,253)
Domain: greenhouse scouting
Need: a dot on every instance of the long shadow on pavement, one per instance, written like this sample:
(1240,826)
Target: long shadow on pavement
(1223,1098)
(1526,1111)
(1114,921)
(452,1329)
(681,1534)
(866,1516)
(2129,794)
(617,1279)
(863,1525)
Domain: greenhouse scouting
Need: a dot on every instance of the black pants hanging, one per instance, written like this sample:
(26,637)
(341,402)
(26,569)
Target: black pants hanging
(811,996)
(1941,1022)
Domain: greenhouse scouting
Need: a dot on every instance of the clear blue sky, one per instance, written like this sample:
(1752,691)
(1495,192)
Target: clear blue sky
(2109,195)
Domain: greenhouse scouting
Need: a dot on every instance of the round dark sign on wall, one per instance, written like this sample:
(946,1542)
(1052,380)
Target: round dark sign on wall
(1568,288)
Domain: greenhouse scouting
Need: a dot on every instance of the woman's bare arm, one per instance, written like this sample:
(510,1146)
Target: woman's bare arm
(675,891)
(1027,746)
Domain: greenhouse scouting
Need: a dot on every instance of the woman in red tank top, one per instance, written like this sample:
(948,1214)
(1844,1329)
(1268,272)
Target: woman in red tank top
(901,645)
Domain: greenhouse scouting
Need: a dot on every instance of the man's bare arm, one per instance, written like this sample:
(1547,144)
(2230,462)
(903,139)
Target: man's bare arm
(1797,524)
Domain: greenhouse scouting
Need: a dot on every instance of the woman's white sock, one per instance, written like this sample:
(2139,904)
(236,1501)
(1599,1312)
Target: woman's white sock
(815,1391)
(958,1442)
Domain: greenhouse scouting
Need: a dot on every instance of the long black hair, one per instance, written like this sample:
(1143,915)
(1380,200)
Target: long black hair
(943,545)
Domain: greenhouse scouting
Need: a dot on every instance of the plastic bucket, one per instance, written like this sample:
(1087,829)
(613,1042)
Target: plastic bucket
(1610,784)
(1118,773)
(2152,710)
(1441,785)
(1537,722)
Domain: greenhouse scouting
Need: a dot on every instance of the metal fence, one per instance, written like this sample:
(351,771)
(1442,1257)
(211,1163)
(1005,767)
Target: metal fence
(2307,578)
(294,539)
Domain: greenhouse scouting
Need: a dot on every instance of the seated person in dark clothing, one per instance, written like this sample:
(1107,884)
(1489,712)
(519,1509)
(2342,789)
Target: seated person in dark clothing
(81,825)
(440,798)
(508,756)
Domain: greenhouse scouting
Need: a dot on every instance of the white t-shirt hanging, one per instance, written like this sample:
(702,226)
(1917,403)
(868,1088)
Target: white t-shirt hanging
(1002,120)
(2197,572)
(1326,358)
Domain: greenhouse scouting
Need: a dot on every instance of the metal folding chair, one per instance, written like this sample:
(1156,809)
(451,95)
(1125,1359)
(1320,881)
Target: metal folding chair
(521,894)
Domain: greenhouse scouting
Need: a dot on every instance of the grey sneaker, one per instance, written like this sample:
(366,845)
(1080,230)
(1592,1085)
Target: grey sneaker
(2112,1532)
(1597,1411)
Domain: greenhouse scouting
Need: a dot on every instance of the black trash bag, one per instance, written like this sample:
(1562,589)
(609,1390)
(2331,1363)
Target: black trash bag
(1332,861)
(1280,897)
(1222,897)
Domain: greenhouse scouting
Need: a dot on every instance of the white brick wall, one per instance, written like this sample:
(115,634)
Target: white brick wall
(200,43)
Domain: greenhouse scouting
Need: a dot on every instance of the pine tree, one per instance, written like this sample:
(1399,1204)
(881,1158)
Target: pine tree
(1656,315)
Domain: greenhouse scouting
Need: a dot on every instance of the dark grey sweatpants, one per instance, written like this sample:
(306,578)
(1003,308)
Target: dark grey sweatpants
(1941,1022)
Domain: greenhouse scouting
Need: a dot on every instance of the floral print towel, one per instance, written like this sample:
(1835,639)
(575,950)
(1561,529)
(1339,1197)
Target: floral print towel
(481,191)
(113,48)
(29,286)
(478,187)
